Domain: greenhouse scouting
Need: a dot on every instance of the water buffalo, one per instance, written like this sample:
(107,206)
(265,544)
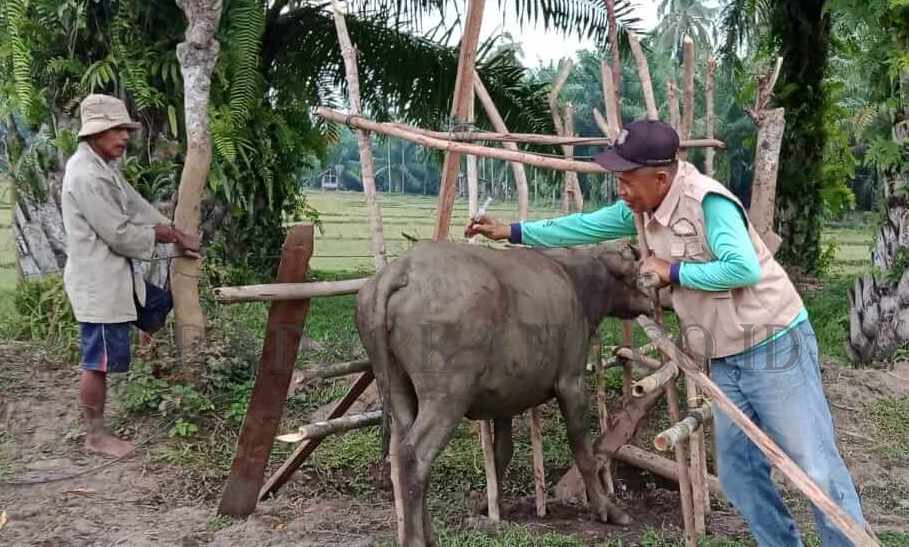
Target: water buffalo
(457,330)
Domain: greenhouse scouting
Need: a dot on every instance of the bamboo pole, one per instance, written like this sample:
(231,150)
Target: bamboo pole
(336,370)
(492,482)
(320,430)
(473,190)
(644,74)
(673,99)
(688,91)
(287,291)
(775,455)
(526,138)
(656,381)
(672,401)
(709,92)
(683,430)
(520,175)
(463,88)
(637,356)
(364,142)
(539,470)
(613,114)
(627,371)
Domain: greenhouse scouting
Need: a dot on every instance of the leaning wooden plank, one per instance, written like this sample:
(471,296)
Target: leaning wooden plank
(640,62)
(856,533)
(462,93)
(367,166)
(320,430)
(520,175)
(279,353)
(287,469)
(287,291)
(683,430)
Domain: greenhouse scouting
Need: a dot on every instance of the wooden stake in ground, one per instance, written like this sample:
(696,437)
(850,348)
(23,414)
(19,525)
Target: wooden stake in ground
(564,127)
(520,175)
(698,462)
(613,115)
(279,353)
(571,193)
(473,187)
(459,108)
(364,143)
(197,54)
(775,455)
(539,470)
(602,407)
(492,481)
(710,114)
(644,74)
(688,92)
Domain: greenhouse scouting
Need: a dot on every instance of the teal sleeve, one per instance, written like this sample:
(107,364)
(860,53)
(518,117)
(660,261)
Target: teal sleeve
(736,263)
(613,222)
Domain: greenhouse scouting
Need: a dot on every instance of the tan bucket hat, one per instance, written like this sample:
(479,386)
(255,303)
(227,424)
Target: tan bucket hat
(102,112)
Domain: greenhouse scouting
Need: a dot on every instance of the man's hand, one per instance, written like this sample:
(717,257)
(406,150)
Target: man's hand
(489,227)
(189,245)
(165,234)
(656,267)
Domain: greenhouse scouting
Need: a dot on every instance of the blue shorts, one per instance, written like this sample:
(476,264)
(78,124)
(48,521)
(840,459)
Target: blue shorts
(105,346)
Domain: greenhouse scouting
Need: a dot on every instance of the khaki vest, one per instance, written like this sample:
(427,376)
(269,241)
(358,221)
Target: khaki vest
(717,324)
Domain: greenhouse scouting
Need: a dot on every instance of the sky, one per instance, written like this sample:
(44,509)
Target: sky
(541,47)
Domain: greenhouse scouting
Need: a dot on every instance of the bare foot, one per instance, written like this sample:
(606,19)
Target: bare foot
(107,444)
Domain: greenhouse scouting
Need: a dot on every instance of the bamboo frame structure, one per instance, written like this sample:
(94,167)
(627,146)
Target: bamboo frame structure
(320,430)
(684,429)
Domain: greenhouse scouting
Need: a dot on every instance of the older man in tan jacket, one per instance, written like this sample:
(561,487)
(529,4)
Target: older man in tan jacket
(109,226)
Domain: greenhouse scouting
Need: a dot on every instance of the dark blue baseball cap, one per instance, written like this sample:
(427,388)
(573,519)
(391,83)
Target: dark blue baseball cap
(643,143)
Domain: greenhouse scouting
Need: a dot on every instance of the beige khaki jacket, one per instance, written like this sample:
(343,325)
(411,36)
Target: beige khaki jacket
(107,225)
(717,324)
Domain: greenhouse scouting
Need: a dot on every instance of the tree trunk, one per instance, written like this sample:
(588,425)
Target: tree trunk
(879,302)
(197,54)
(803,27)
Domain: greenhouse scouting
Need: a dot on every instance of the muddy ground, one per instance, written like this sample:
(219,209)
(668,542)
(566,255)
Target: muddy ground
(141,501)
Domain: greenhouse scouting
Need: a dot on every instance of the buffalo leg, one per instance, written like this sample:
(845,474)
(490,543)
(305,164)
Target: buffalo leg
(572,402)
(429,434)
(503,447)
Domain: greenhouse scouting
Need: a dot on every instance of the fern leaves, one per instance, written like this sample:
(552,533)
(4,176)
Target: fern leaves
(21,56)
(246,26)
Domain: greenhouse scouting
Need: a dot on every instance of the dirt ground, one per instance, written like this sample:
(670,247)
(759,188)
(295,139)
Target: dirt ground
(133,502)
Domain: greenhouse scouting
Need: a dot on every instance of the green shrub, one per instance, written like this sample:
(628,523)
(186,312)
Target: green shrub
(42,313)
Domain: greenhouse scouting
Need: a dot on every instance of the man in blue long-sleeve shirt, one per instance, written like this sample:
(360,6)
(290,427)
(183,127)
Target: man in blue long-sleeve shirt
(738,310)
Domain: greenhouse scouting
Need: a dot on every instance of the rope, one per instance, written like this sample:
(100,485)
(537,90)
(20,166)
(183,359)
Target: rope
(91,470)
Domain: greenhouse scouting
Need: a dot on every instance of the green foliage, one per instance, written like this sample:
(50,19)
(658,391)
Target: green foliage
(43,314)
(828,309)
(20,55)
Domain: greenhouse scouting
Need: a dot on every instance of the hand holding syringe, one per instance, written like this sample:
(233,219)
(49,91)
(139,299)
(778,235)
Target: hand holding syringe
(474,220)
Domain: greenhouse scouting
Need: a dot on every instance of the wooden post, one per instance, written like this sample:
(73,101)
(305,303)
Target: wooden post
(287,291)
(672,97)
(539,470)
(775,455)
(492,481)
(613,114)
(364,142)
(473,190)
(279,353)
(602,407)
(644,74)
(616,59)
(564,126)
(572,191)
(307,447)
(710,115)
(672,401)
(688,92)
(627,370)
(520,175)
(459,108)
(320,430)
